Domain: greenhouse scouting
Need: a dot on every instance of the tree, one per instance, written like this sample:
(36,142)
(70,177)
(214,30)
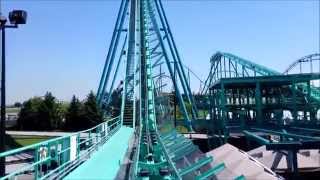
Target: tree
(61,114)
(49,113)
(28,116)
(17,104)
(92,112)
(73,115)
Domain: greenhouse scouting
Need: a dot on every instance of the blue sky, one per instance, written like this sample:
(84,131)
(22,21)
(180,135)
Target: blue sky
(63,46)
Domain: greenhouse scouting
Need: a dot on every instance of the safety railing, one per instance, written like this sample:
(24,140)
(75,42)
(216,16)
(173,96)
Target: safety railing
(56,157)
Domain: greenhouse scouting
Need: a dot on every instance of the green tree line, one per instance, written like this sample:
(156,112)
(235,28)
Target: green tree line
(47,113)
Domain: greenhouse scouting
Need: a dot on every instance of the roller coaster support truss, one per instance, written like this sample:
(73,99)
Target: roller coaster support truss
(283,141)
(226,65)
(163,50)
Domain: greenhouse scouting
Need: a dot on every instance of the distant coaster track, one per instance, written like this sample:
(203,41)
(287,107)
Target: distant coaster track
(306,64)
(227,65)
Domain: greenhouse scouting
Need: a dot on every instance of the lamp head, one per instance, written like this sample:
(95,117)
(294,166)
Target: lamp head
(18,17)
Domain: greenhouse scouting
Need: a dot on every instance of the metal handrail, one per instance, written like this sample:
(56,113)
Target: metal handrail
(59,149)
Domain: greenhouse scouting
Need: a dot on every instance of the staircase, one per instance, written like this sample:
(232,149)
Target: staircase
(128,114)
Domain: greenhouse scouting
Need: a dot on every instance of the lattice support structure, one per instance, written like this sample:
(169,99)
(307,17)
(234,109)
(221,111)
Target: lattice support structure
(164,58)
(149,52)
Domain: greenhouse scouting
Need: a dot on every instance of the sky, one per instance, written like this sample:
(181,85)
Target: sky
(63,46)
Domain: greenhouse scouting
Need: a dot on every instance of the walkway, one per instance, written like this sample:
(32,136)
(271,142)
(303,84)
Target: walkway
(104,163)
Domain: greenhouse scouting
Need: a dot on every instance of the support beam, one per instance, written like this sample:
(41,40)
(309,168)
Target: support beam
(287,134)
(258,107)
(213,171)
(257,138)
(195,166)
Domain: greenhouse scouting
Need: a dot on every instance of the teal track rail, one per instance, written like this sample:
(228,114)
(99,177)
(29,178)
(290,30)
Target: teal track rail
(227,65)
(151,154)
(56,157)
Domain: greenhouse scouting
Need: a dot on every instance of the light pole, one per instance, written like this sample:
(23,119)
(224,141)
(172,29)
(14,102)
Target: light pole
(16,17)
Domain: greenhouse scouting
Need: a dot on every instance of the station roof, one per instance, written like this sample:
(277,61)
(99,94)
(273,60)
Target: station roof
(274,80)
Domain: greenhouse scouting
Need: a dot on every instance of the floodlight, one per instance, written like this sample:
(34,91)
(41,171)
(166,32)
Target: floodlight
(18,17)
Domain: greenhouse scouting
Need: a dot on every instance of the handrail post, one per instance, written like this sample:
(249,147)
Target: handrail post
(36,159)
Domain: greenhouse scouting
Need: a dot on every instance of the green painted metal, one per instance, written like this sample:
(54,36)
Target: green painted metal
(113,43)
(250,64)
(175,140)
(174,146)
(128,107)
(176,56)
(241,177)
(258,104)
(257,138)
(213,171)
(112,51)
(286,134)
(166,56)
(103,164)
(195,166)
(147,24)
(130,11)
(64,151)
(284,138)
(306,129)
(267,103)
(171,137)
(170,162)
(116,72)
(181,148)
(237,67)
(261,101)
(288,142)
(162,49)
(304,60)
(266,80)
(183,152)
(152,155)
(294,103)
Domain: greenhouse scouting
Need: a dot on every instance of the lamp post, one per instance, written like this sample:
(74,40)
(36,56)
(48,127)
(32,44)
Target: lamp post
(16,17)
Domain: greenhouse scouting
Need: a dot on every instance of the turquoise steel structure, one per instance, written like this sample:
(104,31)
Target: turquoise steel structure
(237,90)
(151,44)
(57,157)
(163,50)
(249,98)
(148,52)
(227,65)
(142,50)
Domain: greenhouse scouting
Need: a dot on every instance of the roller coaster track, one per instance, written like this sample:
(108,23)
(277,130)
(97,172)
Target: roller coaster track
(307,64)
(143,28)
(148,51)
(226,65)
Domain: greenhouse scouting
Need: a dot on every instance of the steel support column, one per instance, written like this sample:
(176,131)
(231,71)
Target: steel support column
(258,99)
